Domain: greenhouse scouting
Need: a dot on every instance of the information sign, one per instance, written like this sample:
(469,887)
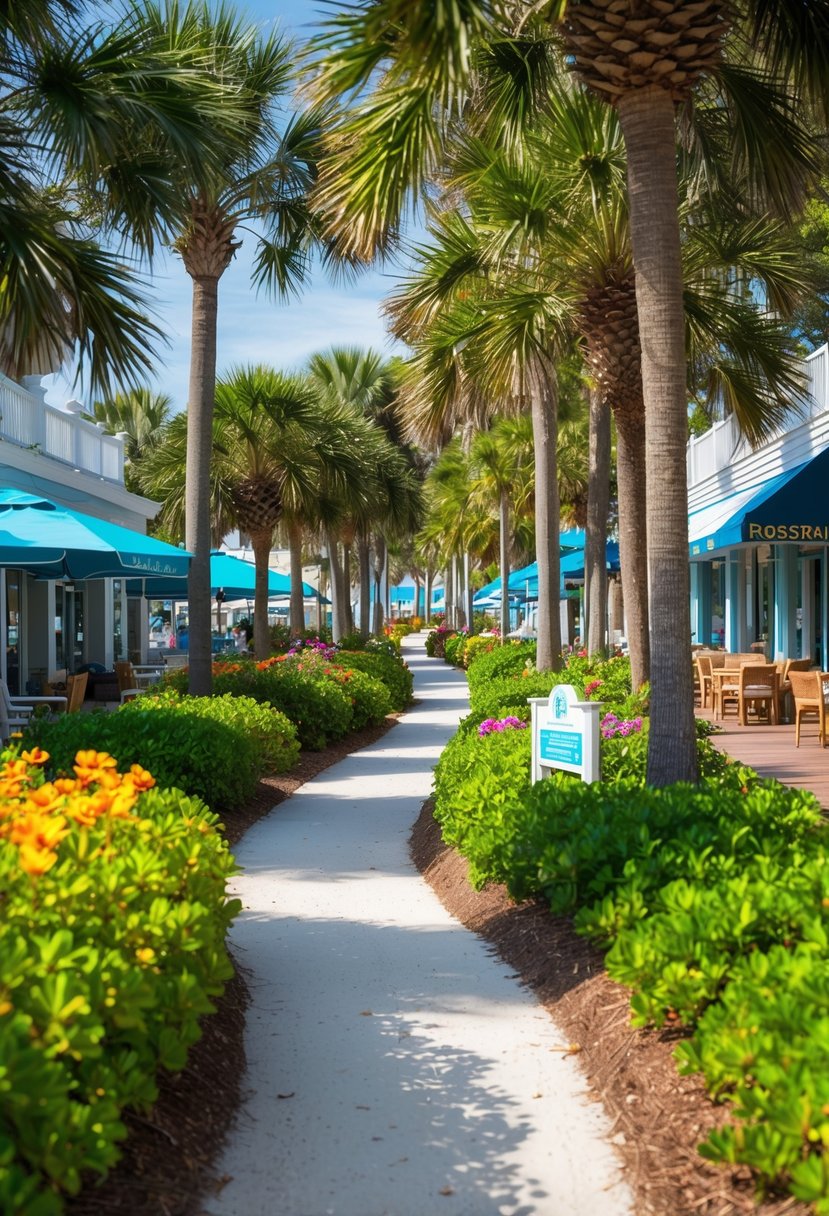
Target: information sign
(565,734)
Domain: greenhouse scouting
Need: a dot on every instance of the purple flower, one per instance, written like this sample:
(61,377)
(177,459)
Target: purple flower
(499,725)
(611,726)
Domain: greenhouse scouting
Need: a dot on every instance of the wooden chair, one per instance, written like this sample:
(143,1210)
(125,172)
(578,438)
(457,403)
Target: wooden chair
(809,690)
(756,684)
(76,688)
(705,664)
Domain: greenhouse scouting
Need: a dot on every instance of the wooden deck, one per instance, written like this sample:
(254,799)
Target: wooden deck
(770,751)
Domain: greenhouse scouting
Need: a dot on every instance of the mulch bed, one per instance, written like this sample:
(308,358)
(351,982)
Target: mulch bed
(169,1155)
(658,1117)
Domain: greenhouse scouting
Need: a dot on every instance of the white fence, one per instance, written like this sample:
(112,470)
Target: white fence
(29,421)
(722,445)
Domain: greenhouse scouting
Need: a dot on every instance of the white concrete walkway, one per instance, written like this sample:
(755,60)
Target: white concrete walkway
(395,1068)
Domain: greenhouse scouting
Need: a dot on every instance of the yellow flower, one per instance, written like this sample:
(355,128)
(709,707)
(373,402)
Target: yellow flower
(145,954)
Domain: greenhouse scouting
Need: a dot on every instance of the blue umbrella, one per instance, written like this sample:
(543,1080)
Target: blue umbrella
(51,541)
(237,578)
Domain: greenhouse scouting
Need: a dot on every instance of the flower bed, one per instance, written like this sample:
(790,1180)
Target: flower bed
(712,903)
(324,692)
(111,950)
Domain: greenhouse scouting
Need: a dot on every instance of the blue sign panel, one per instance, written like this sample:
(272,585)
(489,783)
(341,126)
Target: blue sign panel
(560,747)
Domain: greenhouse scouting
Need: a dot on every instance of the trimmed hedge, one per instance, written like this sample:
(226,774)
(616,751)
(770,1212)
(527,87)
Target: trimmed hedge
(215,748)
(111,950)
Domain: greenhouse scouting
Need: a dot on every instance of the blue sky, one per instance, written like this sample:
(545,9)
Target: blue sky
(254,328)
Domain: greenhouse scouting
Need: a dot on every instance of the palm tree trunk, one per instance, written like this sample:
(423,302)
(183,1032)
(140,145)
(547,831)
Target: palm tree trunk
(261,541)
(345,609)
(647,119)
(504,560)
(416,611)
(297,609)
(598,503)
(543,389)
(335,571)
(631,480)
(202,392)
(468,592)
(364,558)
(427,599)
(450,613)
(379,567)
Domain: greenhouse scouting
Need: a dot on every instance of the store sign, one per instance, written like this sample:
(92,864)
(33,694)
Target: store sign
(565,734)
(782,532)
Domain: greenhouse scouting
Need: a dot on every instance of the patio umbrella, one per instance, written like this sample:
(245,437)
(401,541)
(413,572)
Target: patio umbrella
(237,578)
(50,541)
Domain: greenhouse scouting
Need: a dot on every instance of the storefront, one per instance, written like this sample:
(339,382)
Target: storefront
(759,546)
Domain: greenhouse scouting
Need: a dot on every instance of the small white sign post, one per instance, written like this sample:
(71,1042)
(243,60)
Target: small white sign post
(565,734)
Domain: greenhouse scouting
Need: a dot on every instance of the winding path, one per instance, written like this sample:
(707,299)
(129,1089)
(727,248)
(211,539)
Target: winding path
(395,1068)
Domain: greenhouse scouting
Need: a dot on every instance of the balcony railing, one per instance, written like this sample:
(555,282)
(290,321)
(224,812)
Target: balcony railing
(722,445)
(29,421)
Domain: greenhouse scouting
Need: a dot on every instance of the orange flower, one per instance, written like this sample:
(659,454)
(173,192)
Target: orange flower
(34,860)
(141,779)
(90,764)
(36,756)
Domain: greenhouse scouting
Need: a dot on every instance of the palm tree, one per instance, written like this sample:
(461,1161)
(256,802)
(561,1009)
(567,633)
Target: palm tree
(363,380)
(273,446)
(644,59)
(501,474)
(85,147)
(256,176)
(481,340)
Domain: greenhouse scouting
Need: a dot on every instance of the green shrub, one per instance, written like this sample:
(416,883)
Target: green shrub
(488,697)
(370,699)
(205,752)
(510,659)
(454,647)
(436,641)
(479,645)
(111,950)
(274,734)
(385,667)
(480,784)
(297,686)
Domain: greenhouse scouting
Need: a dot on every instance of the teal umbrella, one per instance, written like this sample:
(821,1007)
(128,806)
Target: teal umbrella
(51,541)
(235,577)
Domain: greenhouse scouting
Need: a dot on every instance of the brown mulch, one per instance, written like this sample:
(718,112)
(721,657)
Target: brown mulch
(658,1117)
(169,1155)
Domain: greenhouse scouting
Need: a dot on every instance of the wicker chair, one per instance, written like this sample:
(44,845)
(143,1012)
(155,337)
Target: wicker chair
(756,684)
(809,690)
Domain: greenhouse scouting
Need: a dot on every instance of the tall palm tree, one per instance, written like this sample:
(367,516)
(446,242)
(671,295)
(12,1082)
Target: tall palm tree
(92,116)
(274,447)
(501,467)
(257,176)
(753,57)
(481,340)
(364,380)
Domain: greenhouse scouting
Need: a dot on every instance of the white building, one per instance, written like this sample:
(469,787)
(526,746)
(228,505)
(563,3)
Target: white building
(49,626)
(759,533)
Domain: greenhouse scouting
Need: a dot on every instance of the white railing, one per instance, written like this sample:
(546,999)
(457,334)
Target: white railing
(27,420)
(720,446)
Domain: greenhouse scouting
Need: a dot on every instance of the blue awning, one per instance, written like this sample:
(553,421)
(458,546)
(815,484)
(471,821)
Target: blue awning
(792,508)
